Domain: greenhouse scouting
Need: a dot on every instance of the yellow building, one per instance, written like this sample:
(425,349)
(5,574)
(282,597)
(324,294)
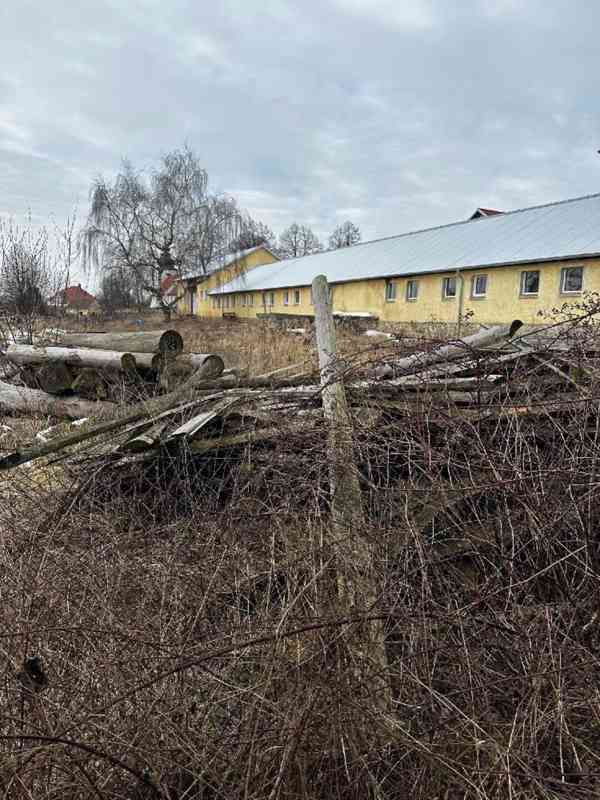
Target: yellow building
(491,268)
(194,291)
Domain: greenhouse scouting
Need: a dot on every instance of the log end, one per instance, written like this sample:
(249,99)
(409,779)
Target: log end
(170,343)
(515,325)
(128,362)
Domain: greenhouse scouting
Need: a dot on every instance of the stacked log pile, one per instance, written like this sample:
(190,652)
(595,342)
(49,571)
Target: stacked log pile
(503,371)
(108,367)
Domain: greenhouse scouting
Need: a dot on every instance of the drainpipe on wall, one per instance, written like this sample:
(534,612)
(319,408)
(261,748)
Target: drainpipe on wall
(460,284)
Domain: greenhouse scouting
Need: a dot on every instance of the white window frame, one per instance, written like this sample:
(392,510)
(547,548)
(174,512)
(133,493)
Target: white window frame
(391,291)
(286,297)
(297,297)
(409,283)
(251,299)
(563,275)
(445,286)
(522,291)
(474,293)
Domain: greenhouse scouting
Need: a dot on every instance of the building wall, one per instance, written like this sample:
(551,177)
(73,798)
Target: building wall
(203,304)
(503,300)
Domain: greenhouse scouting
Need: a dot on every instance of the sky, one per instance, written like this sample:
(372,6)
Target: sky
(396,114)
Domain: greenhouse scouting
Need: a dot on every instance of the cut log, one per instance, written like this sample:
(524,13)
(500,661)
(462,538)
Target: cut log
(450,352)
(189,362)
(168,341)
(54,378)
(20,399)
(77,357)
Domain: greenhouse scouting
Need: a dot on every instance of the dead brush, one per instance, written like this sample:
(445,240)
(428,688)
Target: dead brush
(186,611)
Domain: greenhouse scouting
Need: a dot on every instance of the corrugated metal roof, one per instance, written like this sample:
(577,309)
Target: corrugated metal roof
(567,229)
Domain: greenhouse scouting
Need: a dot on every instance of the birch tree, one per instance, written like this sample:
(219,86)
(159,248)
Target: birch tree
(152,224)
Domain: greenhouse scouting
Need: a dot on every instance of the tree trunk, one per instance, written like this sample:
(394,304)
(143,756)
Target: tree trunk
(189,362)
(462,348)
(77,357)
(167,341)
(20,399)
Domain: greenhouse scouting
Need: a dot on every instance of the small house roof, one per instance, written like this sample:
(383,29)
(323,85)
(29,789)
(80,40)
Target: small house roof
(76,297)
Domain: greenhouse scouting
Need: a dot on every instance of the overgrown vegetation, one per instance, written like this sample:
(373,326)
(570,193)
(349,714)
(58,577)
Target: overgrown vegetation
(189,640)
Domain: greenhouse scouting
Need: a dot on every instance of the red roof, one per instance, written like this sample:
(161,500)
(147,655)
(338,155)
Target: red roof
(76,297)
(485,212)
(167,285)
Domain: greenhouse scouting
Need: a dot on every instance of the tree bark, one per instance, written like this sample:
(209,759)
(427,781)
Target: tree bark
(165,341)
(461,348)
(20,399)
(77,357)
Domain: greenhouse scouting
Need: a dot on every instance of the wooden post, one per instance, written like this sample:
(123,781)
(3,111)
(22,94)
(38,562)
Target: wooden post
(356,586)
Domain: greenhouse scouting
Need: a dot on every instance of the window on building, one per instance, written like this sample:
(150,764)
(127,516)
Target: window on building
(226,301)
(271,298)
(216,302)
(571,280)
(296,297)
(412,290)
(449,288)
(286,297)
(264,298)
(479,286)
(530,282)
(390,291)
(251,299)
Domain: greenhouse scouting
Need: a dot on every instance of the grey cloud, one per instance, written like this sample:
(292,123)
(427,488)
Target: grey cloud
(400,115)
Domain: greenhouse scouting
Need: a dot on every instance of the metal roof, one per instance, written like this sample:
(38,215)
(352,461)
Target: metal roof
(567,229)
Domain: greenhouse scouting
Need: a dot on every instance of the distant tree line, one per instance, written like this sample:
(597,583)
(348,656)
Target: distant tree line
(141,226)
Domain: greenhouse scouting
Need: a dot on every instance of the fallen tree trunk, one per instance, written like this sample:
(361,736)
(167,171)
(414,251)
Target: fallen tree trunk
(452,351)
(20,399)
(80,357)
(169,342)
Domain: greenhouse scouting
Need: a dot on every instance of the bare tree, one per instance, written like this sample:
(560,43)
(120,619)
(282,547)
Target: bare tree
(253,234)
(67,246)
(117,291)
(158,223)
(298,240)
(30,278)
(345,235)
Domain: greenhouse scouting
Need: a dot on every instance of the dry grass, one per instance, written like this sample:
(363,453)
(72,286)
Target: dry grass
(183,614)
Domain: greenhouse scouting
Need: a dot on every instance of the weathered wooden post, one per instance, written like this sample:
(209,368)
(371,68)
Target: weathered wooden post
(355,582)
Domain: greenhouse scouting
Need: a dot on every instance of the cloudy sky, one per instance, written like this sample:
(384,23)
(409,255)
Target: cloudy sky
(397,114)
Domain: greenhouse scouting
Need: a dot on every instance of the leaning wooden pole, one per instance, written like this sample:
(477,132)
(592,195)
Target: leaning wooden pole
(356,583)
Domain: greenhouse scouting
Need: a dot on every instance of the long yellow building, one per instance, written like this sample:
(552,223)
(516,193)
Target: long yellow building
(490,268)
